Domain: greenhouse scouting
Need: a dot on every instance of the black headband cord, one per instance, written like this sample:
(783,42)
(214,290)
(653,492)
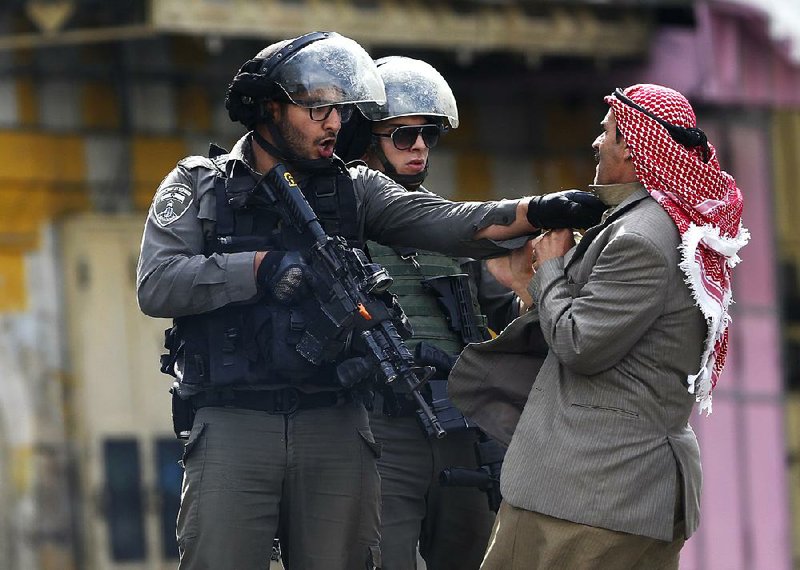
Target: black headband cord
(689,137)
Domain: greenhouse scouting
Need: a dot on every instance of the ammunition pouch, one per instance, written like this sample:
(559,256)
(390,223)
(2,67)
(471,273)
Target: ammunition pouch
(242,345)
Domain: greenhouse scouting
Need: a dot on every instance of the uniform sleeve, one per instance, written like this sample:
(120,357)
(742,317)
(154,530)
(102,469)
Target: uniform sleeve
(396,217)
(610,313)
(174,278)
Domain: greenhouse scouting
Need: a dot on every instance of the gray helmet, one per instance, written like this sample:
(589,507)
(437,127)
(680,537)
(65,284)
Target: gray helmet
(413,87)
(319,68)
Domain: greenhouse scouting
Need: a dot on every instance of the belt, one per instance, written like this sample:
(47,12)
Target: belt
(279,401)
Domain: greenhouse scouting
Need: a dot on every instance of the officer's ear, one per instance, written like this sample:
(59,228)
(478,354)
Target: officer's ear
(271,110)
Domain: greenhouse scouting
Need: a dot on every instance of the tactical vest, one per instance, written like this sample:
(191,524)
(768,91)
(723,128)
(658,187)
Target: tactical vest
(253,342)
(409,268)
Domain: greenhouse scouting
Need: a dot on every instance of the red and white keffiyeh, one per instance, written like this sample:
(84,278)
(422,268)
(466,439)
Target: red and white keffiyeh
(704,203)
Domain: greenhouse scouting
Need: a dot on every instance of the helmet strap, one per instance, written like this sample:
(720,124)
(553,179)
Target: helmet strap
(281,151)
(407,181)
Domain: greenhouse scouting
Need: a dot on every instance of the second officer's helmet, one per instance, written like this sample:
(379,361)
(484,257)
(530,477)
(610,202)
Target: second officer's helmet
(413,87)
(312,70)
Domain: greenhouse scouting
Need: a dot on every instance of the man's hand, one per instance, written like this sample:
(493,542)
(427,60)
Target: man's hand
(552,244)
(567,209)
(515,270)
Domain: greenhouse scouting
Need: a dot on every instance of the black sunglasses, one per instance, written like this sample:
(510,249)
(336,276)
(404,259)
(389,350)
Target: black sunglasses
(403,138)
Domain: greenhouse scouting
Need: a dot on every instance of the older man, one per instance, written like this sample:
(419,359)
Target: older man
(603,470)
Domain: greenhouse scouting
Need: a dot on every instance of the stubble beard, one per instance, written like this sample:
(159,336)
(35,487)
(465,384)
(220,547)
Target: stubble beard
(295,141)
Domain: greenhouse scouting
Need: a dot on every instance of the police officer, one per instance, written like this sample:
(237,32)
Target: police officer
(452,525)
(277,441)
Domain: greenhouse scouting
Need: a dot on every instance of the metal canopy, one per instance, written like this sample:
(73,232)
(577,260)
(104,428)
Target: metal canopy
(584,28)
(534,29)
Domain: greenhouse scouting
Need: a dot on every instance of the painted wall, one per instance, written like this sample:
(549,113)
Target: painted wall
(739,81)
(72,143)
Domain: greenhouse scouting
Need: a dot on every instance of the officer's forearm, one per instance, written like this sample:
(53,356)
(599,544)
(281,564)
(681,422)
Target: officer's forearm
(520,226)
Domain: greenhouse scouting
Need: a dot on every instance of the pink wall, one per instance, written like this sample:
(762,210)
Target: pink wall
(745,521)
(728,58)
(731,70)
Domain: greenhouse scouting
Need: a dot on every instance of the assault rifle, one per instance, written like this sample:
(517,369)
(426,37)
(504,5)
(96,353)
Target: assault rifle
(348,288)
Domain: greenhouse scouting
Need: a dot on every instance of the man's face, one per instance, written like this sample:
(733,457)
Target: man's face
(614,164)
(410,161)
(305,137)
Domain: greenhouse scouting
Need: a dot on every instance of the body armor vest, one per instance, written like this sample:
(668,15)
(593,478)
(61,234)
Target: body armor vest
(431,322)
(253,342)
(428,319)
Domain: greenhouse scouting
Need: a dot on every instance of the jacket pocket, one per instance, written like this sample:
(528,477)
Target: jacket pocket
(609,409)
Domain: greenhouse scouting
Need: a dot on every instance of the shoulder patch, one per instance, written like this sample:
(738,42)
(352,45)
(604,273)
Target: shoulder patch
(171,202)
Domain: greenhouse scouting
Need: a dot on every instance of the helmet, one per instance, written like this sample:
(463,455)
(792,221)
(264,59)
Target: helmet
(316,69)
(413,87)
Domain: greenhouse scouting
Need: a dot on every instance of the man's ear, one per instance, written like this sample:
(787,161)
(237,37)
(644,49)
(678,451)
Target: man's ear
(626,154)
(271,110)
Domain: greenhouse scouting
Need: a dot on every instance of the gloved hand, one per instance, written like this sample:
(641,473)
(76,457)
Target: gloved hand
(282,274)
(566,209)
(353,370)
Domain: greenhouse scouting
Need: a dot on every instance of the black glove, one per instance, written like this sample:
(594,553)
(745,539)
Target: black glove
(282,274)
(567,209)
(354,370)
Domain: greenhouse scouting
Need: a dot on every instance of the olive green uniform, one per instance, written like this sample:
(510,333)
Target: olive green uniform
(451,524)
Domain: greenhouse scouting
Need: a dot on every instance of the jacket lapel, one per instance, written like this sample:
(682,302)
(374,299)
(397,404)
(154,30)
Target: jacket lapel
(586,240)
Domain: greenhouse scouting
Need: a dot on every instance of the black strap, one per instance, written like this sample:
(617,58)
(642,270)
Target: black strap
(279,401)
(689,137)
(225,218)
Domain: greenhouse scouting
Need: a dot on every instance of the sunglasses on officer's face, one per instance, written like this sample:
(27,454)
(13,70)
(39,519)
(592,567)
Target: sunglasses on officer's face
(403,138)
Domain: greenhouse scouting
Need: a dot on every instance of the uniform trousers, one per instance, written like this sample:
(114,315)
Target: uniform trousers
(312,472)
(451,524)
(526,540)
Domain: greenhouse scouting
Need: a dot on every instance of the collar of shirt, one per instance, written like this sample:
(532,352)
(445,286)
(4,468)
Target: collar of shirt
(612,195)
(242,155)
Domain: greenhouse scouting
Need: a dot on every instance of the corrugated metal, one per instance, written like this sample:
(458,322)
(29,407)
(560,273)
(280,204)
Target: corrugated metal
(562,29)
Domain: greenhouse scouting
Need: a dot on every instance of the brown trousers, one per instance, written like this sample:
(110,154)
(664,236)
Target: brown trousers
(526,540)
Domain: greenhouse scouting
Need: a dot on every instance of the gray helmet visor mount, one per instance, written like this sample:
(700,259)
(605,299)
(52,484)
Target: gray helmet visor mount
(335,70)
(413,87)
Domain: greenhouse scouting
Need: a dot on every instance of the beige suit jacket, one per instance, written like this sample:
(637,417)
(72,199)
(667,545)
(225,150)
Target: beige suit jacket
(604,437)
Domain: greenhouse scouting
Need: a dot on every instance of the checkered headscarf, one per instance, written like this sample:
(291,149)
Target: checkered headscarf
(686,180)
